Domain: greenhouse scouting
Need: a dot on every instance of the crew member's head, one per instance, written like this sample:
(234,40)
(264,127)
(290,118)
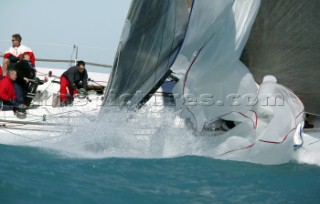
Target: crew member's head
(25,57)
(16,40)
(81,65)
(12,74)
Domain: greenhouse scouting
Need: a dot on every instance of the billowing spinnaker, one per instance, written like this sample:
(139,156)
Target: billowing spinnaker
(213,82)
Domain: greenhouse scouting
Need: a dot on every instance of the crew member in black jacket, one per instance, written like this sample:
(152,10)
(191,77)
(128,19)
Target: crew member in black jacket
(25,72)
(74,78)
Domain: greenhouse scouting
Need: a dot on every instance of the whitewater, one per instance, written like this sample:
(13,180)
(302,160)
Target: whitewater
(153,132)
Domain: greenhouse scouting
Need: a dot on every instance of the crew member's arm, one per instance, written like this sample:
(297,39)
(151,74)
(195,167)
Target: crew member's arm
(11,57)
(71,73)
(85,81)
(4,93)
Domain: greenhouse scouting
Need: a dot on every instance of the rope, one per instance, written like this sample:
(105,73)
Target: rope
(314,142)
(17,134)
(74,47)
(36,140)
(69,61)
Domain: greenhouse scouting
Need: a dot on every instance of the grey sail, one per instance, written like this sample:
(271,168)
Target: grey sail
(285,42)
(151,38)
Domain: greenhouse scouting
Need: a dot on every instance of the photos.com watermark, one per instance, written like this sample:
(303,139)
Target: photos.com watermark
(200,100)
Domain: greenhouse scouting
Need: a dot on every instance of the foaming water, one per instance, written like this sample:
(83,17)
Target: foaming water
(119,133)
(307,155)
(145,133)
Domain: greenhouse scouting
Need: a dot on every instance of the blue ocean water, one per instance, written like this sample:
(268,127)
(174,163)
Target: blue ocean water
(36,175)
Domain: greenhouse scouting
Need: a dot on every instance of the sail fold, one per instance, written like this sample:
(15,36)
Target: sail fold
(213,81)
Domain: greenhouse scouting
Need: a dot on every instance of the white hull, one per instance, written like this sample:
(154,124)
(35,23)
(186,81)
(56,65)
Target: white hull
(45,118)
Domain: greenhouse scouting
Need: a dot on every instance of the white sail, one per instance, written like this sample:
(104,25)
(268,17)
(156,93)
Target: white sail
(215,85)
(208,62)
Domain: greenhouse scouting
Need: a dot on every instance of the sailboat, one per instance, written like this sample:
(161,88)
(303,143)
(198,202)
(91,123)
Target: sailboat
(245,68)
(240,72)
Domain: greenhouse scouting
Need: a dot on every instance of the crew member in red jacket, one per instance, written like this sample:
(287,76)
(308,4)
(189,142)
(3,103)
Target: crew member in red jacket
(13,55)
(7,92)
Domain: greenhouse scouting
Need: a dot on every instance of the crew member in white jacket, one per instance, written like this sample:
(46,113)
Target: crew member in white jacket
(13,55)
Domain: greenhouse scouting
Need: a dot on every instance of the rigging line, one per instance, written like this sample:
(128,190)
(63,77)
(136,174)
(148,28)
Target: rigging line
(23,122)
(102,82)
(314,142)
(74,47)
(96,82)
(68,45)
(36,140)
(54,116)
(63,113)
(17,125)
(70,61)
(49,44)
(28,123)
(39,130)
(17,134)
(39,122)
(46,74)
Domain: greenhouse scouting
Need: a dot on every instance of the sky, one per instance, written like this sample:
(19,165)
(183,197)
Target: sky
(51,28)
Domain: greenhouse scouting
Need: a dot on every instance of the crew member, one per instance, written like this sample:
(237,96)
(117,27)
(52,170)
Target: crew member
(7,92)
(13,55)
(25,72)
(74,78)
